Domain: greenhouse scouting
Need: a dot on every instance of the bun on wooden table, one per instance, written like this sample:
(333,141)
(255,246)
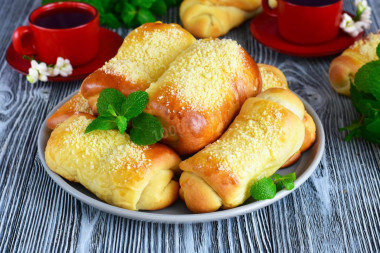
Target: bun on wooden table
(142,58)
(201,92)
(214,18)
(111,166)
(344,67)
(265,134)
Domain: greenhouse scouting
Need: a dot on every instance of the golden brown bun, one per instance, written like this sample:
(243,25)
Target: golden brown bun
(272,77)
(142,58)
(201,92)
(267,131)
(76,105)
(344,67)
(112,167)
(214,18)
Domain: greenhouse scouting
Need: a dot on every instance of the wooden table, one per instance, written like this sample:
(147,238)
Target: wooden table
(336,210)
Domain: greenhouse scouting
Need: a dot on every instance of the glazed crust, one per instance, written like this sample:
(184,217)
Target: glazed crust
(112,167)
(265,134)
(189,128)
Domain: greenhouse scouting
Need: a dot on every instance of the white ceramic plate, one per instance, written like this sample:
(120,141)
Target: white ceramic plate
(178,213)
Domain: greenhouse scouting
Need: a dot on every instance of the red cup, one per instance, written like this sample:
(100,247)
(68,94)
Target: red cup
(47,38)
(306,22)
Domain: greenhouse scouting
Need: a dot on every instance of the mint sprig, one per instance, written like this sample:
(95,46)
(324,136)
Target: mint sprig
(365,96)
(115,111)
(266,188)
(130,13)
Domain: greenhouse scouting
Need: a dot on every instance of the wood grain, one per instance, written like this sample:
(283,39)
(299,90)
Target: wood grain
(336,210)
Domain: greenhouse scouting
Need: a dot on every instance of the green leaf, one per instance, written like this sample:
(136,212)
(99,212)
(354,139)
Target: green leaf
(374,80)
(159,7)
(111,97)
(146,129)
(378,50)
(145,16)
(288,184)
(362,81)
(290,176)
(102,123)
(263,189)
(110,20)
(134,104)
(128,13)
(143,3)
(97,4)
(121,123)
(276,176)
(111,110)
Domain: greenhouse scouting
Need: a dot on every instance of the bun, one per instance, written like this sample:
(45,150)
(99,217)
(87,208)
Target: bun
(344,67)
(142,58)
(112,167)
(272,77)
(201,92)
(76,105)
(214,18)
(265,134)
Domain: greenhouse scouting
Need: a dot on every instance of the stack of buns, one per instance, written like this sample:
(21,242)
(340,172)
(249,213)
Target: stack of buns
(196,89)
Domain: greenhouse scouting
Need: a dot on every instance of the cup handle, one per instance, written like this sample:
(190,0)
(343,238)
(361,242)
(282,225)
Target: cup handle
(268,10)
(23,41)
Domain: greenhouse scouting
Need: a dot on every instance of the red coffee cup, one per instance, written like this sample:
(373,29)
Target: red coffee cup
(63,29)
(306,22)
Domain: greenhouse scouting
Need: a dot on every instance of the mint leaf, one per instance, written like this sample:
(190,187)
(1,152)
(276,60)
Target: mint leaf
(128,13)
(378,50)
(288,184)
(110,20)
(121,123)
(146,129)
(111,97)
(134,104)
(290,176)
(111,110)
(159,7)
(145,16)
(143,3)
(362,81)
(263,189)
(276,176)
(101,123)
(374,80)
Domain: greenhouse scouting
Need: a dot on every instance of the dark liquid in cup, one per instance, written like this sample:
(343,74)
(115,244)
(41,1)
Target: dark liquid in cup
(63,18)
(312,2)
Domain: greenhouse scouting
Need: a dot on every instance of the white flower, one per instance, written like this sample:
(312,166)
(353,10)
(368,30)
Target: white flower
(32,76)
(362,18)
(349,26)
(63,67)
(41,71)
(361,5)
(365,17)
(38,71)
